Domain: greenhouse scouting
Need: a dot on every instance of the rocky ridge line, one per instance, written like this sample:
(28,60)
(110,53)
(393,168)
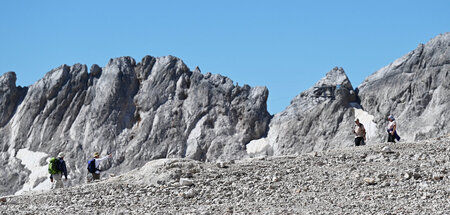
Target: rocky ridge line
(415,89)
(157,108)
(317,119)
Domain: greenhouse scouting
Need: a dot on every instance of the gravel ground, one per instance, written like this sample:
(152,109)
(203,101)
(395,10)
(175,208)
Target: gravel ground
(401,178)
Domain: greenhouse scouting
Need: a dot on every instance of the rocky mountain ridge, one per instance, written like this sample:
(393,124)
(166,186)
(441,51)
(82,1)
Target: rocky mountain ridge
(415,89)
(158,108)
(317,119)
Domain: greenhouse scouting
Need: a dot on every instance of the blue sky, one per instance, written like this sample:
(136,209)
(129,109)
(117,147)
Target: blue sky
(284,45)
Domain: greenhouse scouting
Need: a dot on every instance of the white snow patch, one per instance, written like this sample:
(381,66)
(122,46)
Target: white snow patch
(367,120)
(31,160)
(259,147)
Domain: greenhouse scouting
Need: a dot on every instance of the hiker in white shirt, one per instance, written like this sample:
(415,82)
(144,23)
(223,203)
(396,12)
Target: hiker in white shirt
(98,160)
(392,130)
(360,133)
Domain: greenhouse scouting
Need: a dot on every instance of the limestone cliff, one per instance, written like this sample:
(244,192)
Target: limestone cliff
(415,89)
(317,119)
(157,108)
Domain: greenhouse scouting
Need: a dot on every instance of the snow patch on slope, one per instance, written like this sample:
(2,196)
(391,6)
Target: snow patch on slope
(266,146)
(259,147)
(367,120)
(31,161)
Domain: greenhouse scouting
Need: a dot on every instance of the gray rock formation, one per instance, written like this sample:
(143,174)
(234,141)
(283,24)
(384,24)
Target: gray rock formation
(157,108)
(317,119)
(415,89)
(10,96)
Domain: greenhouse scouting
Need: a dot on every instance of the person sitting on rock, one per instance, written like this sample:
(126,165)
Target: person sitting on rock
(392,130)
(360,133)
(93,165)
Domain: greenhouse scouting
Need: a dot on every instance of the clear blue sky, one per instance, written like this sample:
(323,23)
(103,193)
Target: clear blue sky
(284,45)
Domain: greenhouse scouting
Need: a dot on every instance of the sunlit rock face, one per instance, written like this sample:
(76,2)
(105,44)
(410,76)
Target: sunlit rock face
(415,89)
(139,112)
(159,108)
(317,119)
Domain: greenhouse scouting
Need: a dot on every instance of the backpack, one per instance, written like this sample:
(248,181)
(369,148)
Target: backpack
(91,166)
(53,166)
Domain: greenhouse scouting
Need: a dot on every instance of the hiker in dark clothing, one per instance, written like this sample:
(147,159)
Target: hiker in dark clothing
(56,179)
(360,133)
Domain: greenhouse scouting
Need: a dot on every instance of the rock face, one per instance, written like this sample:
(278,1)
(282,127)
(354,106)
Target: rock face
(10,95)
(415,89)
(157,108)
(317,119)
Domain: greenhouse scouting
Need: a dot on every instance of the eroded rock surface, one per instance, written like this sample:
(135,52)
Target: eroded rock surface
(317,119)
(157,108)
(415,89)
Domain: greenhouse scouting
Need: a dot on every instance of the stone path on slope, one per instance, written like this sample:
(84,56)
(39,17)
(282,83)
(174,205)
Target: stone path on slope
(402,178)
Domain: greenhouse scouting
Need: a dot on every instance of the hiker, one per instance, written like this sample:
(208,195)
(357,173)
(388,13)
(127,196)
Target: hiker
(57,168)
(360,133)
(392,130)
(94,163)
